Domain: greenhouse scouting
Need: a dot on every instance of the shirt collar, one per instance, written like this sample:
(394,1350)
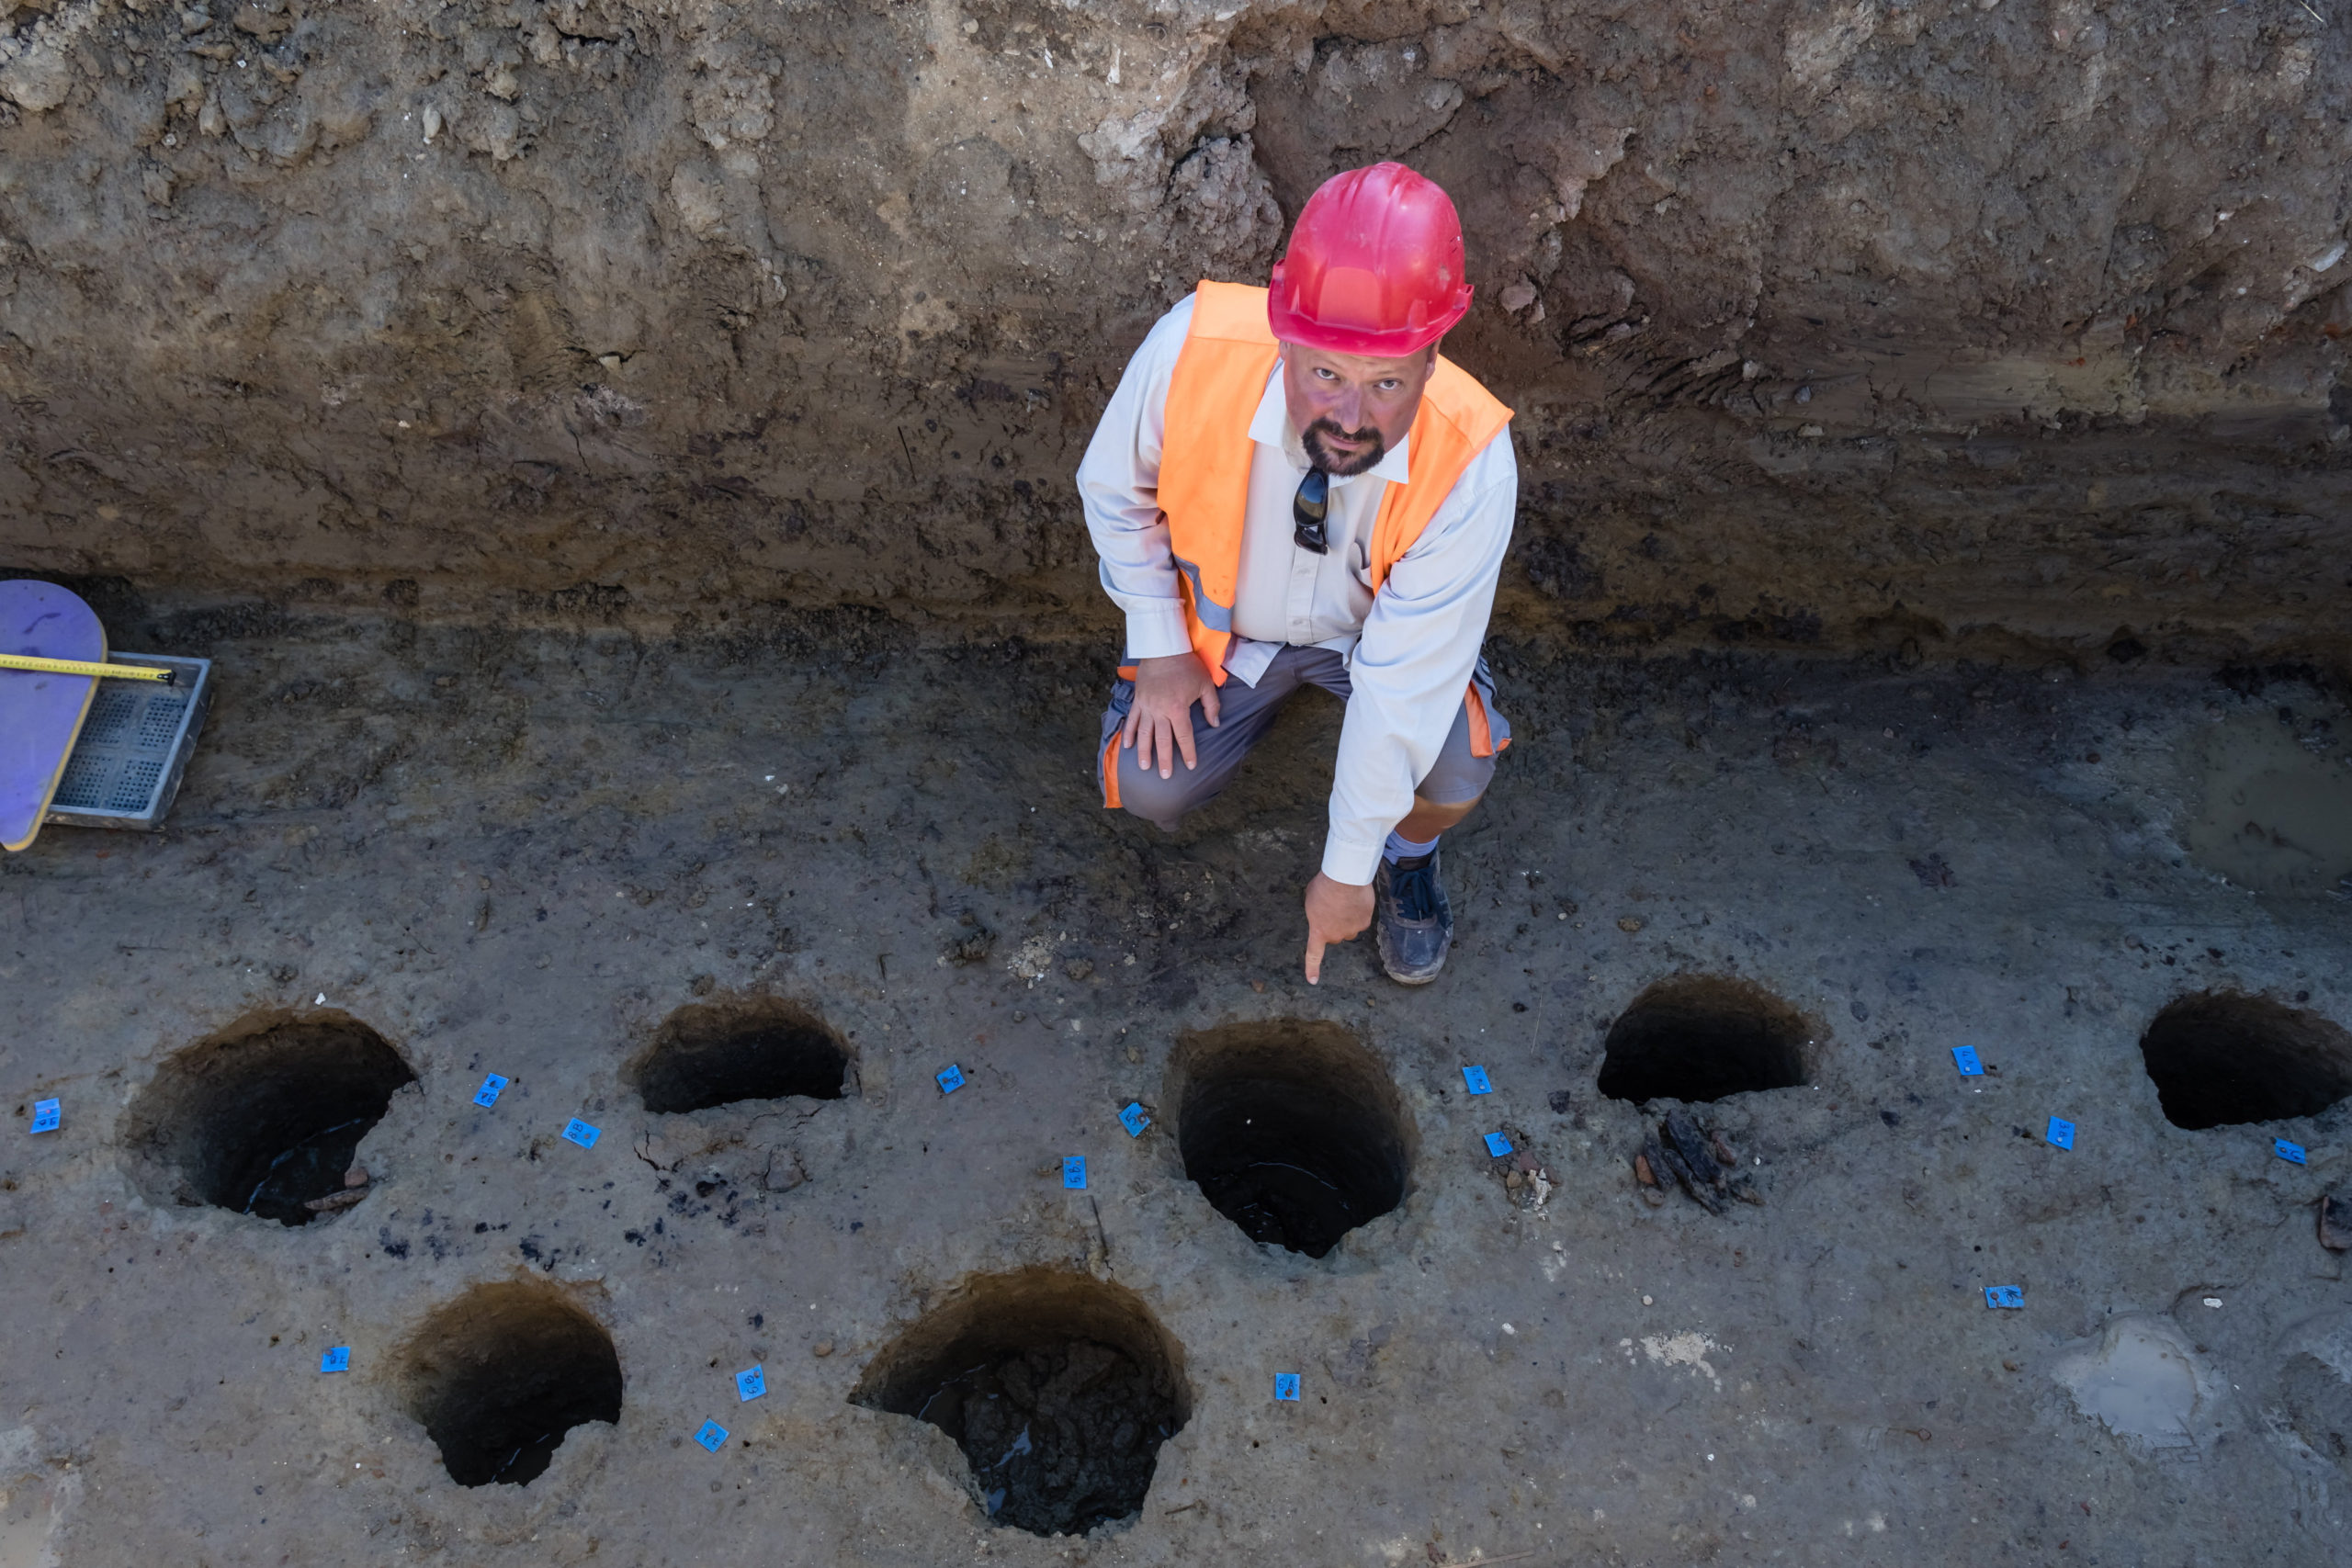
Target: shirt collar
(1270,426)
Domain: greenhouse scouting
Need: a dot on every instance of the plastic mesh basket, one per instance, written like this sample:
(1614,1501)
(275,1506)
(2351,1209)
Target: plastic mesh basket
(134,746)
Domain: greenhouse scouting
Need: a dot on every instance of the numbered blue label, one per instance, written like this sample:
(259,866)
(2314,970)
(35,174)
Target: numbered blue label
(951,1080)
(750,1382)
(336,1361)
(1477,1080)
(1133,1120)
(2005,1296)
(1498,1145)
(1285,1385)
(580,1133)
(1074,1172)
(2292,1152)
(1964,1058)
(487,1095)
(710,1435)
(46,1115)
(2062,1132)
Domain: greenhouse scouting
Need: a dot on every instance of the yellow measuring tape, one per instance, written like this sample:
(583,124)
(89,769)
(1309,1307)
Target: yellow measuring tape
(76,667)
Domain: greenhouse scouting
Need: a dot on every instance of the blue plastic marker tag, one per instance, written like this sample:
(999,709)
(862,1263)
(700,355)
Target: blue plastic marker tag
(2005,1296)
(336,1361)
(2292,1152)
(750,1382)
(710,1435)
(580,1133)
(1133,1120)
(1477,1080)
(2062,1133)
(1964,1058)
(46,1116)
(951,1080)
(1285,1385)
(487,1095)
(1498,1145)
(1074,1172)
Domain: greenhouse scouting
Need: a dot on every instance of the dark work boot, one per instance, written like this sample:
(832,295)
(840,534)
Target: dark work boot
(1416,923)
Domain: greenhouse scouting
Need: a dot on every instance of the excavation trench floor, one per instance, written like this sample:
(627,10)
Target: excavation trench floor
(522,855)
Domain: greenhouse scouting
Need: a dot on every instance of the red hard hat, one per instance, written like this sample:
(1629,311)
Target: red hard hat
(1375,267)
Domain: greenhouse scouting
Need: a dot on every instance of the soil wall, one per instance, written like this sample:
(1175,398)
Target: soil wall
(2011,326)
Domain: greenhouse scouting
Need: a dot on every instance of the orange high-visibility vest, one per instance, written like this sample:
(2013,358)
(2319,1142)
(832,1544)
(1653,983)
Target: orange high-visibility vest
(1219,380)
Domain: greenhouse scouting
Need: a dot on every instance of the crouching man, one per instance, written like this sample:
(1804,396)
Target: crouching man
(1290,487)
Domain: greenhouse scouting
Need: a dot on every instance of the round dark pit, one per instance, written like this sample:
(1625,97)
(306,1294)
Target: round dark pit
(1058,1387)
(1700,1038)
(2220,1058)
(755,1048)
(1291,1129)
(498,1377)
(266,1118)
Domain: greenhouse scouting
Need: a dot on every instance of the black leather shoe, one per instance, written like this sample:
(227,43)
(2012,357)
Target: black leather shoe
(1416,923)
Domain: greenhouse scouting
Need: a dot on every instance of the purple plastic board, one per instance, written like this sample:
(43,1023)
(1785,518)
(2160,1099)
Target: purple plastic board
(40,714)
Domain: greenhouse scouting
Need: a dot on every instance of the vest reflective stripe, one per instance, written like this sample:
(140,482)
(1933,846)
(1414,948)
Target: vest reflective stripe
(1111,759)
(1482,733)
(1205,455)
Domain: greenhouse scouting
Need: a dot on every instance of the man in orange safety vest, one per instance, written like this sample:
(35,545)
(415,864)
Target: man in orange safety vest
(1289,488)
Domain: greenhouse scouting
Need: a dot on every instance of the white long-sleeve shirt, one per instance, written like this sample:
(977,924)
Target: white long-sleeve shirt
(1410,647)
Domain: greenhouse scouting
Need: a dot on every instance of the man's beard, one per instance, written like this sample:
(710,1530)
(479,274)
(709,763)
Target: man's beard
(1331,463)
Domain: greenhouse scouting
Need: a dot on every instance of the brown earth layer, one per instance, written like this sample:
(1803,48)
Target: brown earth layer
(2000,328)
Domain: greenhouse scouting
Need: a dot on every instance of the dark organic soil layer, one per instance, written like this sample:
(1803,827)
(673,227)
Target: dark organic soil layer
(1061,1438)
(1287,1204)
(311,1169)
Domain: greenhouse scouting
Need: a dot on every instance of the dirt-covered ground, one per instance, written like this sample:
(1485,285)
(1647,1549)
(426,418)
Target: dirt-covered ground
(2001,328)
(411,856)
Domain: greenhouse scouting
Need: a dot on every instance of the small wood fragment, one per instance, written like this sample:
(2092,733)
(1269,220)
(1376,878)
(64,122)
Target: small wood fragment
(1682,1135)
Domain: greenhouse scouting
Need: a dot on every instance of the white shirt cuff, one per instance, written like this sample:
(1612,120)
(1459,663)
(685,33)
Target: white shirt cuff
(1158,633)
(1353,864)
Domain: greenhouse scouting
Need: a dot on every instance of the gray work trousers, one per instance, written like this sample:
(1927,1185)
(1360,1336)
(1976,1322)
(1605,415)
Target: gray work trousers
(1246,713)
